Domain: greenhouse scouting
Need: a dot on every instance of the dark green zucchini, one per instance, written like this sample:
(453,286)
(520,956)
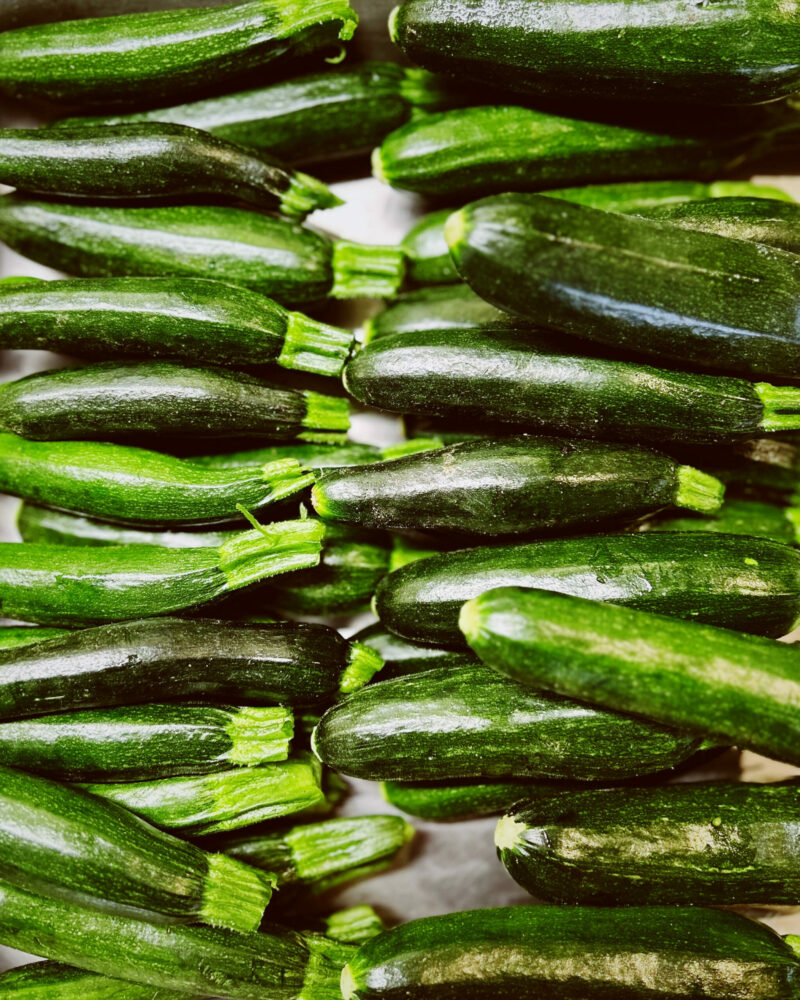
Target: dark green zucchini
(535,380)
(56,981)
(159,399)
(445,307)
(152,160)
(309,455)
(179,319)
(226,800)
(576,953)
(470,723)
(402,657)
(72,847)
(437,800)
(314,118)
(16,636)
(133,486)
(698,844)
(83,585)
(728,580)
(636,284)
(195,961)
(136,59)
(767,468)
(511,486)
(742,690)
(163,658)
(320,856)
(132,743)
(739,517)
(268,255)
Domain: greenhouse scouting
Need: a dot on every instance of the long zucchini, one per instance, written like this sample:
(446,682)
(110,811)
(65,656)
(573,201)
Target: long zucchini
(157,399)
(726,580)
(143,58)
(73,847)
(470,723)
(636,284)
(714,843)
(226,800)
(742,690)
(266,254)
(313,118)
(84,585)
(179,319)
(514,485)
(133,486)
(739,517)
(629,953)
(535,380)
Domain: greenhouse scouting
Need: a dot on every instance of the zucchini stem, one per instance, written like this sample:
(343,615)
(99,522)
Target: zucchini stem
(366,271)
(698,491)
(311,346)
(306,194)
(284,477)
(272,549)
(327,417)
(363,663)
(259,735)
(236,895)
(793,940)
(781,406)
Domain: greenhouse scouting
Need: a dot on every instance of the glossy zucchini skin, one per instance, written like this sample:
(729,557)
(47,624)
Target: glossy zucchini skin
(402,657)
(727,580)
(741,690)
(630,953)
(147,57)
(202,659)
(439,308)
(441,801)
(636,284)
(18,13)
(511,486)
(738,517)
(345,111)
(533,381)
(56,981)
(708,843)
(469,723)
(157,399)
(179,319)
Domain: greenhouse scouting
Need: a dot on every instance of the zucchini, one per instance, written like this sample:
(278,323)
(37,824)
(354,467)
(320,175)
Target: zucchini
(268,255)
(707,844)
(133,486)
(511,486)
(341,112)
(629,953)
(739,517)
(726,580)
(133,743)
(695,298)
(354,925)
(402,657)
(136,59)
(16,636)
(310,455)
(742,690)
(320,856)
(536,380)
(179,319)
(195,961)
(225,800)
(437,800)
(56,981)
(152,160)
(81,585)
(75,848)
(761,467)
(470,723)
(157,398)
(135,662)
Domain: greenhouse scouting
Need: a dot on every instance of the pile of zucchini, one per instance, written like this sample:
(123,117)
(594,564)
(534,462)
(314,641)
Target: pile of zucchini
(580,556)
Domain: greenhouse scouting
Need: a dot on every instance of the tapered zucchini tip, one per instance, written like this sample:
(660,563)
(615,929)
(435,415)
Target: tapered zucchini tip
(698,491)
(236,895)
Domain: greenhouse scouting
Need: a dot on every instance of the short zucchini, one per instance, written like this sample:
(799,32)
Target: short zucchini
(742,690)
(739,517)
(707,844)
(726,580)
(470,723)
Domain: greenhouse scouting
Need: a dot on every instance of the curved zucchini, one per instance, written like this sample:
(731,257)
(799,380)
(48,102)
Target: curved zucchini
(636,284)
(143,58)
(136,662)
(133,486)
(742,690)
(707,844)
(174,318)
(439,307)
(345,111)
(151,160)
(439,801)
(514,485)
(258,251)
(83,585)
(630,953)
(74,848)
(726,580)
(132,743)
(534,380)
(158,399)
(739,517)
(470,723)
(401,657)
